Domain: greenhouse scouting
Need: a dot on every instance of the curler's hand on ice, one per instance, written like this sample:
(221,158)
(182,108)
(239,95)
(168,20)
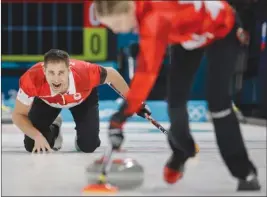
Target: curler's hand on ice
(41,145)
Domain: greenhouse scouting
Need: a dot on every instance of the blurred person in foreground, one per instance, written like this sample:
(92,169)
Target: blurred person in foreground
(60,82)
(192,28)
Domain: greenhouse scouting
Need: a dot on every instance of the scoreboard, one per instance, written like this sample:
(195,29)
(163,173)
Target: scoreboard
(32,27)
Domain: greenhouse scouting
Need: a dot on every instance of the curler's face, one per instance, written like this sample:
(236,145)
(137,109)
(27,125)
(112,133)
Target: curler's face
(57,76)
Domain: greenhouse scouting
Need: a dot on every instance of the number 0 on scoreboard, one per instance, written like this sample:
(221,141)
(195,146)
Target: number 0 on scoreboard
(95,43)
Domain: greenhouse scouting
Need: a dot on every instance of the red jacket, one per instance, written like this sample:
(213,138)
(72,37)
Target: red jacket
(83,77)
(193,24)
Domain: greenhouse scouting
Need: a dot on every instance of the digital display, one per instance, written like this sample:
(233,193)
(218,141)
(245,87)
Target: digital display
(32,27)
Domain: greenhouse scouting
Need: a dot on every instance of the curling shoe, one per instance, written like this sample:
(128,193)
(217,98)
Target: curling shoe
(173,170)
(250,183)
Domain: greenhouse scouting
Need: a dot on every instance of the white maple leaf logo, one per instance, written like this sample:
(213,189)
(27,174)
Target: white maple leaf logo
(213,7)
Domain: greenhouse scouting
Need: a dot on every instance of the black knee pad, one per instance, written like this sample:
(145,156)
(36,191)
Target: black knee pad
(28,144)
(28,148)
(88,146)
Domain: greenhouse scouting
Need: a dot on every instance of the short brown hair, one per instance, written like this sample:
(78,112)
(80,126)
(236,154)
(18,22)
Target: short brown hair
(110,7)
(56,55)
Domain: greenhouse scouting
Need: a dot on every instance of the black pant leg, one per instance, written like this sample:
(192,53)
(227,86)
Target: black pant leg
(86,117)
(41,116)
(183,66)
(222,56)
(263,85)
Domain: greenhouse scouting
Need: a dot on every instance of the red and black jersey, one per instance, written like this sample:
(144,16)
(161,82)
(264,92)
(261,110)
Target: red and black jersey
(83,77)
(193,24)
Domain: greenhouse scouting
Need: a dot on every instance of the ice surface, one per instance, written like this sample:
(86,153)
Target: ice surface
(63,173)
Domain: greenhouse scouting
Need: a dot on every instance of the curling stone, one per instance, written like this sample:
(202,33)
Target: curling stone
(124,173)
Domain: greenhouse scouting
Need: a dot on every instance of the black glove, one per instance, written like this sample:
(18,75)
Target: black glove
(115,132)
(144,110)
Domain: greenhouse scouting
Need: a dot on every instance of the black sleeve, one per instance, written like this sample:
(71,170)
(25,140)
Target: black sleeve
(103,74)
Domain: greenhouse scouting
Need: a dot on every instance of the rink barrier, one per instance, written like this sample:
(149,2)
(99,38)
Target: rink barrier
(129,127)
(197,110)
(141,127)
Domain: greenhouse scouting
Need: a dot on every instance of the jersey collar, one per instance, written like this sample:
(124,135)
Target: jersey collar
(72,88)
